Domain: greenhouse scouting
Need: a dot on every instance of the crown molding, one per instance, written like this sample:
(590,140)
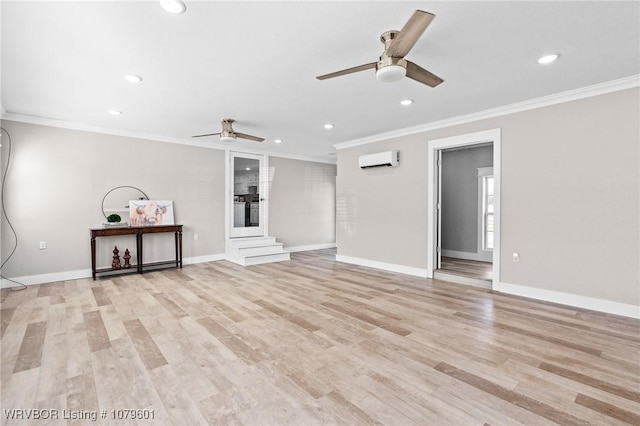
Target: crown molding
(558,98)
(42,121)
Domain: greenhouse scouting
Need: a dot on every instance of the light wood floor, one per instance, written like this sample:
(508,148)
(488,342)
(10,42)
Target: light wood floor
(310,341)
(467,268)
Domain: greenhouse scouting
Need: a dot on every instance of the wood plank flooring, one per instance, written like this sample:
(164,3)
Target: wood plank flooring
(467,268)
(308,342)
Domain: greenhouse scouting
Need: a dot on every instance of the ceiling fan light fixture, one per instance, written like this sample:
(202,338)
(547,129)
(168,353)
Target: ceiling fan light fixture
(224,138)
(391,73)
(173,6)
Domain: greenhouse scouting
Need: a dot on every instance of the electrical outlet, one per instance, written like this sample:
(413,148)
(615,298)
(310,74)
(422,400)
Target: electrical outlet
(43,245)
(516,257)
(195,236)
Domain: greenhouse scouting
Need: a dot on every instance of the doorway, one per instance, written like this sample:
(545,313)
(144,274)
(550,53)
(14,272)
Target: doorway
(247,200)
(475,261)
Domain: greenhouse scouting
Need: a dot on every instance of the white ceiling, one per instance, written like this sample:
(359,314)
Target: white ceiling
(256,62)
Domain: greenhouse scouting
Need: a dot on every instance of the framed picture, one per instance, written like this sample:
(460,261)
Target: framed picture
(151,212)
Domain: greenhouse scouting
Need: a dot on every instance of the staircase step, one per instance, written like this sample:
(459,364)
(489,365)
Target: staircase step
(255,250)
(259,250)
(251,241)
(267,258)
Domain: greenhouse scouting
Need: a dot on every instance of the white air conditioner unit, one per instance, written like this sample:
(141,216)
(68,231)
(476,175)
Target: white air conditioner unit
(380,159)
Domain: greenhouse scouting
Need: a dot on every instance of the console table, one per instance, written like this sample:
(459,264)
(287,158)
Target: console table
(138,231)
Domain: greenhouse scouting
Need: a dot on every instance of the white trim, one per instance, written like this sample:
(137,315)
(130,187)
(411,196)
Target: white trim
(228,217)
(311,247)
(558,98)
(584,302)
(265,187)
(262,230)
(465,255)
(486,255)
(201,143)
(47,278)
(434,146)
(86,273)
(391,267)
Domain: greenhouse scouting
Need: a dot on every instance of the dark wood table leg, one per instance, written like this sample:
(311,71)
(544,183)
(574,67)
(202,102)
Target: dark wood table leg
(139,251)
(179,249)
(93,257)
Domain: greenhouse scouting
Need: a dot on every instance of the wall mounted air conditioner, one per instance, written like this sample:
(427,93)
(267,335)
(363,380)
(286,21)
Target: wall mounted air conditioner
(380,159)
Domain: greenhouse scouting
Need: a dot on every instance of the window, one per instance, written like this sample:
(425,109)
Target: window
(485,208)
(487,213)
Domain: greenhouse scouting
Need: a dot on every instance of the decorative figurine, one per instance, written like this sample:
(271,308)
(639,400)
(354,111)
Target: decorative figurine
(126,257)
(116,259)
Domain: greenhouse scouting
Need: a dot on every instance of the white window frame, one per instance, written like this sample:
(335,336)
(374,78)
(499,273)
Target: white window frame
(483,173)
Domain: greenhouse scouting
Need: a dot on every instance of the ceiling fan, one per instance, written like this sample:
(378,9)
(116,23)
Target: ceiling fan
(392,66)
(229,135)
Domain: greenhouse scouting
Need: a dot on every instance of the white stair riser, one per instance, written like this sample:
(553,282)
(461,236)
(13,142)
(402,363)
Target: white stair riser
(256,251)
(251,242)
(257,260)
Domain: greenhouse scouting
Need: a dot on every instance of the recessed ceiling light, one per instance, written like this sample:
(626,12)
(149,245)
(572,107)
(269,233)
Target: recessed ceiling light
(278,140)
(328,126)
(132,78)
(173,6)
(115,112)
(547,59)
(406,102)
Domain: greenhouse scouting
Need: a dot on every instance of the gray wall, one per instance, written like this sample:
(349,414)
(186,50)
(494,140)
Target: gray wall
(381,212)
(460,196)
(302,206)
(570,198)
(58,178)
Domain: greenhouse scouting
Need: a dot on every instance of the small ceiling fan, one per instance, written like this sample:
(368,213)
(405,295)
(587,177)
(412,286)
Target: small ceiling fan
(229,135)
(392,66)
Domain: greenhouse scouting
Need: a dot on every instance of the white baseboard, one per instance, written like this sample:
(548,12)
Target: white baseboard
(311,247)
(600,305)
(86,273)
(391,267)
(480,257)
(46,278)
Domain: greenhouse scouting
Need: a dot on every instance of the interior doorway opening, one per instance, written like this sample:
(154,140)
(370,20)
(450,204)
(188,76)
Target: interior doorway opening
(246,195)
(466,219)
(464,209)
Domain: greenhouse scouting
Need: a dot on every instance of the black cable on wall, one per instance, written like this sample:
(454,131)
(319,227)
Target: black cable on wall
(4,212)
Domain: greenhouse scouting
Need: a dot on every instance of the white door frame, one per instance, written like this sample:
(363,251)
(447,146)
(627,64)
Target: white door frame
(263,189)
(434,148)
(438,212)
